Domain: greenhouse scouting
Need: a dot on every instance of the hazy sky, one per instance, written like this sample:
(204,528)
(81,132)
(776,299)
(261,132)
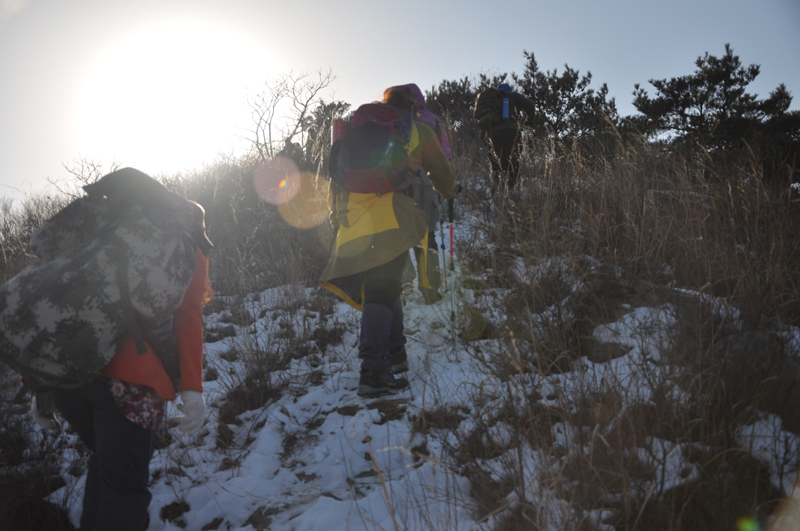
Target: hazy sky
(162,85)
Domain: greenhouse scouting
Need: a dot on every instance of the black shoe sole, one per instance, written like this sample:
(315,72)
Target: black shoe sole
(370,392)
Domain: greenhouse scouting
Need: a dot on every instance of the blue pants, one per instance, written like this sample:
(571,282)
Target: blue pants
(116,496)
(382,317)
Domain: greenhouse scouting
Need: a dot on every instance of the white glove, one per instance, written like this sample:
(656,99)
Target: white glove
(194,411)
(46,419)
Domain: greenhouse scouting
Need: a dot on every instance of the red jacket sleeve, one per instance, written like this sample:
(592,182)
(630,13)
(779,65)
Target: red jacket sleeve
(188,327)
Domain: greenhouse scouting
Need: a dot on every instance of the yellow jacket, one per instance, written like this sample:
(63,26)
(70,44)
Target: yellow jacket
(373,229)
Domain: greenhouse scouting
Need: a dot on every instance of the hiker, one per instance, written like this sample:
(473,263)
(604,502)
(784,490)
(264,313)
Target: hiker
(429,201)
(374,232)
(116,415)
(502,123)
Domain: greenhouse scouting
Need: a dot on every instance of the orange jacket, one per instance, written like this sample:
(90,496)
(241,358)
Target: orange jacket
(146,369)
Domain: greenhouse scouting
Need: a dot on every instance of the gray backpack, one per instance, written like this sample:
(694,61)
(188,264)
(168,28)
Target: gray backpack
(115,262)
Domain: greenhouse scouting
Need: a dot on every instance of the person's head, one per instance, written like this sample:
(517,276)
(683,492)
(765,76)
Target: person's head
(400,97)
(419,97)
(505,87)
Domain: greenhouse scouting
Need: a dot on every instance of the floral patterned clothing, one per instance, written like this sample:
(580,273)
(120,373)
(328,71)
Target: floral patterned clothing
(140,404)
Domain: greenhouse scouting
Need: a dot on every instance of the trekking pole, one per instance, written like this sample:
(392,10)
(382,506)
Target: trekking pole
(451,216)
(522,151)
(442,248)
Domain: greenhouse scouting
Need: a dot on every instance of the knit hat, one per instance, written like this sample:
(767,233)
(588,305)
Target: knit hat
(505,87)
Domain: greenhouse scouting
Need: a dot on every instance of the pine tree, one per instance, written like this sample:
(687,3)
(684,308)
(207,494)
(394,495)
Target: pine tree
(566,105)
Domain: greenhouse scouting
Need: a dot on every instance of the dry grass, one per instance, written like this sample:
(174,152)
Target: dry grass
(634,226)
(639,228)
(31,470)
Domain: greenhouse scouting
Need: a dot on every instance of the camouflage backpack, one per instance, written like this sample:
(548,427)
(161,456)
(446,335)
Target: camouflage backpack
(489,107)
(115,262)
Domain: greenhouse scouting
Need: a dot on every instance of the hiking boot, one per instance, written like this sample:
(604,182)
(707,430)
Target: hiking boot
(398,360)
(377,383)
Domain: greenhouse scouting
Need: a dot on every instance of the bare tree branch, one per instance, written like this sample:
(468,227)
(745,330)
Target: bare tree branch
(298,94)
(82,171)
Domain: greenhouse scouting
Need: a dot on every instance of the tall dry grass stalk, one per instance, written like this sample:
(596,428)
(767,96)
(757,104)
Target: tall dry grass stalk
(655,216)
(627,216)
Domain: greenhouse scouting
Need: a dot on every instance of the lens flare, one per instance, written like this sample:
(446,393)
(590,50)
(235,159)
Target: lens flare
(747,524)
(307,207)
(277,181)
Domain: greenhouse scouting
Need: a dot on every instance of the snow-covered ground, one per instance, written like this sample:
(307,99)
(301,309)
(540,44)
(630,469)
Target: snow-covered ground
(321,458)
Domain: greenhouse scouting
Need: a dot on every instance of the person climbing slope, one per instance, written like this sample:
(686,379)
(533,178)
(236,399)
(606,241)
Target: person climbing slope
(377,222)
(498,112)
(119,407)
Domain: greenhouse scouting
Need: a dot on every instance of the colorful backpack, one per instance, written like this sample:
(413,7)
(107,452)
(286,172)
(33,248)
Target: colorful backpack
(115,262)
(489,107)
(372,156)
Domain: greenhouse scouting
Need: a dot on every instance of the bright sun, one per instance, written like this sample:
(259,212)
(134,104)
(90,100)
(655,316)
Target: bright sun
(169,97)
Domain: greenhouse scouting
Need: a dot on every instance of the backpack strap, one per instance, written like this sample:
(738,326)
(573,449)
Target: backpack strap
(127,305)
(413,139)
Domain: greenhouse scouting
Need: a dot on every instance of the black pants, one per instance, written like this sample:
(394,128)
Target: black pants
(116,496)
(382,317)
(504,156)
